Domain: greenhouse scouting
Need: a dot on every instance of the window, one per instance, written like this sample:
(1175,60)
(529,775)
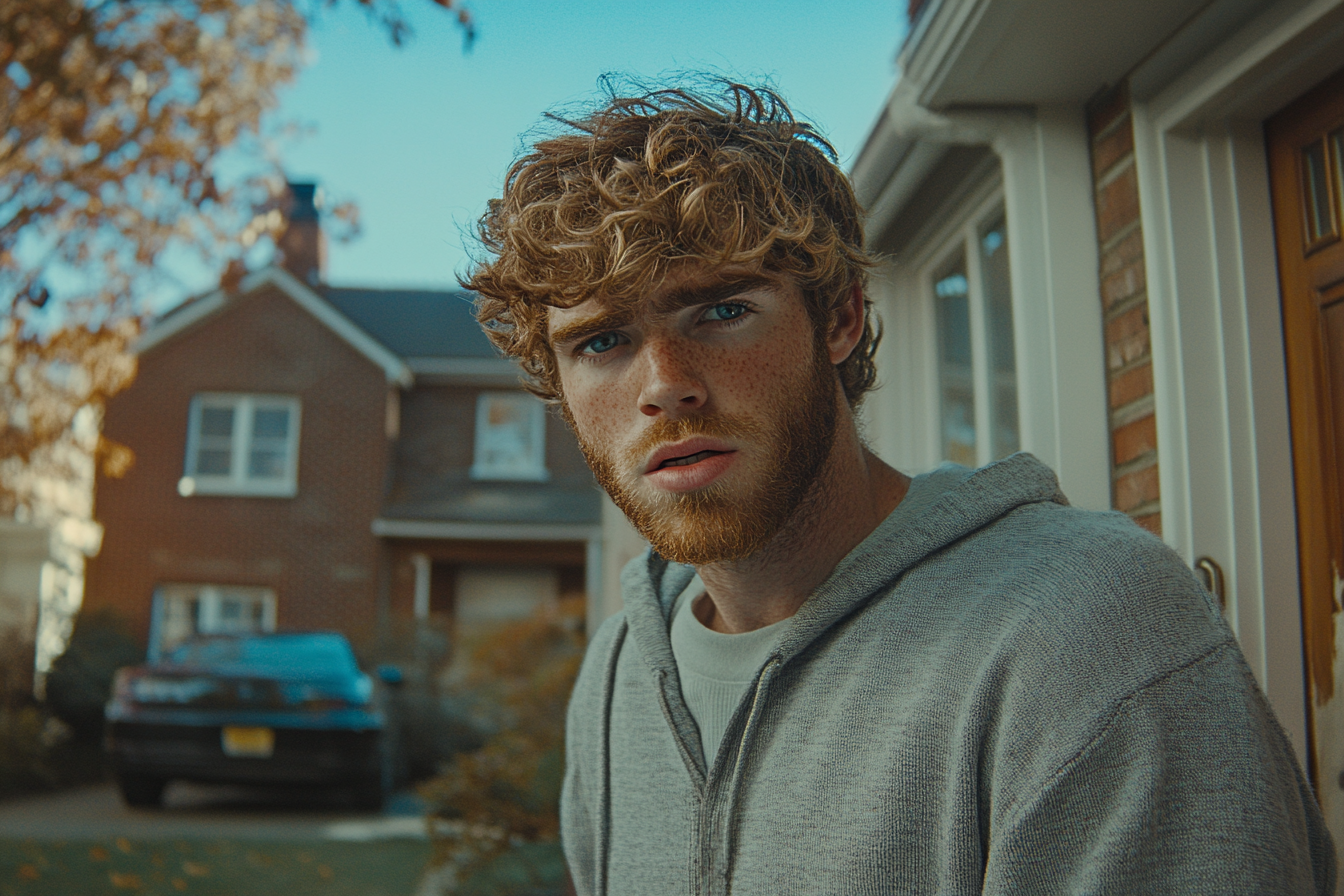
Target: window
(977,371)
(242,445)
(510,437)
(181,611)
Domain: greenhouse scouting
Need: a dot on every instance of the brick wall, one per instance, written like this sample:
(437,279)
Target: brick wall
(1124,296)
(316,550)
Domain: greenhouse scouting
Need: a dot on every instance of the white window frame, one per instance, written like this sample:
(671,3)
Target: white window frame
(963,237)
(531,468)
(1220,387)
(238,482)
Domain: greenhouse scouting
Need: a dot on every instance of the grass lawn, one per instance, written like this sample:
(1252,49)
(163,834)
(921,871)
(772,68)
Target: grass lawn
(120,866)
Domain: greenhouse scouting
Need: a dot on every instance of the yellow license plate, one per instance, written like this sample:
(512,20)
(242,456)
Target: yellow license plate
(254,742)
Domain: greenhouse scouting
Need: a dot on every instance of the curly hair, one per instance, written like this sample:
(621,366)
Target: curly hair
(605,205)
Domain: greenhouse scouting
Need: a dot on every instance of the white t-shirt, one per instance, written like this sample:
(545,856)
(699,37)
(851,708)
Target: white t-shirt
(715,669)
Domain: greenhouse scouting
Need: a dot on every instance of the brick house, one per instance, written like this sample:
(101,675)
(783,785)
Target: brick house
(1111,237)
(310,456)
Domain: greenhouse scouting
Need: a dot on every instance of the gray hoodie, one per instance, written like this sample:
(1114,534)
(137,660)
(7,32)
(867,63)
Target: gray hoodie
(993,693)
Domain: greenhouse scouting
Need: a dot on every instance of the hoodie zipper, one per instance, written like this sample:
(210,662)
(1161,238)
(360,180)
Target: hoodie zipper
(722,869)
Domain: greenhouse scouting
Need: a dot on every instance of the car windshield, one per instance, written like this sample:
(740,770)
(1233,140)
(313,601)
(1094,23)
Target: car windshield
(307,655)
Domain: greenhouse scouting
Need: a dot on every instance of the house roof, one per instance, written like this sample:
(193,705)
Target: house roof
(415,323)
(199,309)
(401,330)
(452,496)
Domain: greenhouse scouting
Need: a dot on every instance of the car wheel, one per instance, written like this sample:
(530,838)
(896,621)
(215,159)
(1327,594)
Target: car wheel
(142,790)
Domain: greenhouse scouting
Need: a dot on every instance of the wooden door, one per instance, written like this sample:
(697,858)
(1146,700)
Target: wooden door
(1306,152)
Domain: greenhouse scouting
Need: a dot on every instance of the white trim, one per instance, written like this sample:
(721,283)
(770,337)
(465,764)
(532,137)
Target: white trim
(420,563)
(1213,296)
(1057,312)
(393,528)
(486,371)
(393,368)
(959,236)
(943,36)
(238,482)
(179,320)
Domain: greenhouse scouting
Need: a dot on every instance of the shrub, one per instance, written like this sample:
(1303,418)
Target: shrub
(495,810)
(80,680)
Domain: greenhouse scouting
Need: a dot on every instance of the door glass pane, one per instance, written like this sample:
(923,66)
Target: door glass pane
(956,386)
(1316,186)
(1336,140)
(999,318)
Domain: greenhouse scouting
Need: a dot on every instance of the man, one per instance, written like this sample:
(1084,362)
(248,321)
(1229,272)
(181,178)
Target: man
(828,677)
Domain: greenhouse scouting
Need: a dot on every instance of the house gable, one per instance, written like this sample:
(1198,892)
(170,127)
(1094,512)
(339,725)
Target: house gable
(200,310)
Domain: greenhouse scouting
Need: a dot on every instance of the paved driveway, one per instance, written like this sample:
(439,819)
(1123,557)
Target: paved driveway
(194,812)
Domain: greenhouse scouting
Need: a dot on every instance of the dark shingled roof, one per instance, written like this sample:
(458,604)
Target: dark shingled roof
(415,323)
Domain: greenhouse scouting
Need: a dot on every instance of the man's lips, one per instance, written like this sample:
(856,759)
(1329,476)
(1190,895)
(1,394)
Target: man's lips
(689,465)
(686,453)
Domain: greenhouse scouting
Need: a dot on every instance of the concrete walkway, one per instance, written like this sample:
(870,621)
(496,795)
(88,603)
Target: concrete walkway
(197,812)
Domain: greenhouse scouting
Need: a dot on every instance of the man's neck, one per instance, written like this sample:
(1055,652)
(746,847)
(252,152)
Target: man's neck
(854,493)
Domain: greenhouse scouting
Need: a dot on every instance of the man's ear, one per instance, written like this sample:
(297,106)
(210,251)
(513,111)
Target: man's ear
(847,328)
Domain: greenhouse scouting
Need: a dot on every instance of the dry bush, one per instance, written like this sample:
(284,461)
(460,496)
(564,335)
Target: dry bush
(506,795)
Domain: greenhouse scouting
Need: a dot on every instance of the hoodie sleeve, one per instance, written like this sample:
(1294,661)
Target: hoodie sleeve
(1182,791)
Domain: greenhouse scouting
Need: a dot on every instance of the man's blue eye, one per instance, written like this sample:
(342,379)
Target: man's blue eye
(602,343)
(725,311)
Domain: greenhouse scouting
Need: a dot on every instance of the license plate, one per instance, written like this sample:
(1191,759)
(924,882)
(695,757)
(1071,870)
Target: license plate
(253,742)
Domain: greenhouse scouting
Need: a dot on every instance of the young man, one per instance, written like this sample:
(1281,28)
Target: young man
(828,677)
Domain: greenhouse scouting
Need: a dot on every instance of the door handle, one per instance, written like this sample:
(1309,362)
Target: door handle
(1212,576)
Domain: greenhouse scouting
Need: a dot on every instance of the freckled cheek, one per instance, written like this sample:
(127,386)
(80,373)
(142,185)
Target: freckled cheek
(596,408)
(755,375)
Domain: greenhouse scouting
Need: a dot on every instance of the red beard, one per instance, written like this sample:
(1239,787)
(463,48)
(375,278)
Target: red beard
(786,447)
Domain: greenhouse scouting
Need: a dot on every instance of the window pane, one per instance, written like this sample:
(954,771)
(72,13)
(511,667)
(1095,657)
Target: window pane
(1320,222)
(270,423)
(1337,156)
(217,422)
(213,461)
(508,436)
(265,463)
(956,387)
(999,317)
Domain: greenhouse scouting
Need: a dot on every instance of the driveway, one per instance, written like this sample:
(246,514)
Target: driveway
(197,812)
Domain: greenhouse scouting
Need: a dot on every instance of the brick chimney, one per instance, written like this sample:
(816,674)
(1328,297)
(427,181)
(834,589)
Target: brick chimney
(303,246)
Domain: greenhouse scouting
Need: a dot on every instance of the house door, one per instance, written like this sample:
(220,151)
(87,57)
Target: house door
(1306,151)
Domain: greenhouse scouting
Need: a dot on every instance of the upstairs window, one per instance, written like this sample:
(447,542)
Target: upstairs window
(510,437)
(242,445)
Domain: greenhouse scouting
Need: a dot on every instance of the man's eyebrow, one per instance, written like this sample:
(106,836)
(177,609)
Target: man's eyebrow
(589,326)
(712,292)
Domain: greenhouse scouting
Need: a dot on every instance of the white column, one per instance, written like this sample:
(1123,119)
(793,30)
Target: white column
(421,564)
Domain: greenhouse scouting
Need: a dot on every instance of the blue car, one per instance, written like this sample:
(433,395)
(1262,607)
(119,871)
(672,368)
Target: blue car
(288,708)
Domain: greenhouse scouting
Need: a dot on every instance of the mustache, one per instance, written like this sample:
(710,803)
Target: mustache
(676,429)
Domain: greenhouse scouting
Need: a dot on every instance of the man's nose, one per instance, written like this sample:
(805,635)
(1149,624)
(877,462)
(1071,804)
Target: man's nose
(671,384)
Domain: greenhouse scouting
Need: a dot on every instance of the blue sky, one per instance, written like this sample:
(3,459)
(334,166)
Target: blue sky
(420,137)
